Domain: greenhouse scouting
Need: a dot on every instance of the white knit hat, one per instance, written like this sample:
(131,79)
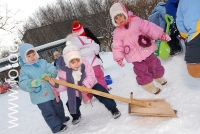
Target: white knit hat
(70,52)
(115,9)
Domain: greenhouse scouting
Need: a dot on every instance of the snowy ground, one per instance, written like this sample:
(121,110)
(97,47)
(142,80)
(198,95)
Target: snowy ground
(181,91)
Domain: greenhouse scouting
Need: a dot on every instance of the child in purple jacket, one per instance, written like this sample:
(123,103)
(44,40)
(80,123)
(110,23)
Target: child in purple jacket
(74,69)
(133,40)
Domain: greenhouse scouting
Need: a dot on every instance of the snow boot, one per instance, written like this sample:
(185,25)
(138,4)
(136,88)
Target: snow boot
(161,80)
(115,112)
(76,121)
(193,70)
(151,88)
(62,129)
(66,119)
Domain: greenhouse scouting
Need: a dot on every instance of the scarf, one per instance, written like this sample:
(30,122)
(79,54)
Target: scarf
(69,78)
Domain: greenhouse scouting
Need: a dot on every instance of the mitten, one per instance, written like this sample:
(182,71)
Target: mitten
(85,97)
(165,37)
(34,83)
(120,62)
(44,74)
(56,94)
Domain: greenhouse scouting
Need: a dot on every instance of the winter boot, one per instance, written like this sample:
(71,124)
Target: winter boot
(115,112)
(151,88)
(63,128)
(161,80)
(66,119)
(194,70)
(76,121)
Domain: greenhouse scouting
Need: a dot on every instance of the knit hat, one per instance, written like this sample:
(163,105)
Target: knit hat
(23,49)
(70,52)
(115,9)
(77,28)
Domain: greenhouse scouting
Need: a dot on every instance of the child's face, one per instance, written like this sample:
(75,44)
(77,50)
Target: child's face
(74,64)
(32,57)
(120,19)
(56,56)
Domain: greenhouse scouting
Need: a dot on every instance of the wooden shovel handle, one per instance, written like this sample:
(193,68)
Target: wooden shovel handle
(99,93)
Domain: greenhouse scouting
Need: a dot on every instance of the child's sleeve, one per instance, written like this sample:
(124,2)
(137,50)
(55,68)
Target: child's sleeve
(23,82)
(95,47)
(50,69)
(61,76)
(148,28)
(118,47)
(90,79)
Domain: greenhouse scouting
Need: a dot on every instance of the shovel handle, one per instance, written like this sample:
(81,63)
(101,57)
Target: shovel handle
(169,20)
(99,93)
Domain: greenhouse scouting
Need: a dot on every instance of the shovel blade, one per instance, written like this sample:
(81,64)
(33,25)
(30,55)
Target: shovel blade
(164,50)
(162,109)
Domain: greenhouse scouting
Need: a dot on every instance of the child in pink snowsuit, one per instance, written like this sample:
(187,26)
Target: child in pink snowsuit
(88,49)
(133,40)
(75,70)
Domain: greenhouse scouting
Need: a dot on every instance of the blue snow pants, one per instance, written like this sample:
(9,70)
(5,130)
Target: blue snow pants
(53,113)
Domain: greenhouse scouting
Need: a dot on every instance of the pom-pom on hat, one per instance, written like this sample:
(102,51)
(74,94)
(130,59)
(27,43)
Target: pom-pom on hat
(115,9)
(70,52)
(77,28)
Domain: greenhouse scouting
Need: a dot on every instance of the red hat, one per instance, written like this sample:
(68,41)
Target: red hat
(77,28)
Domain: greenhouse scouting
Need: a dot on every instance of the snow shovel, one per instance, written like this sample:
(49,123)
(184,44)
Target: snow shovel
(149,107)
(164,49)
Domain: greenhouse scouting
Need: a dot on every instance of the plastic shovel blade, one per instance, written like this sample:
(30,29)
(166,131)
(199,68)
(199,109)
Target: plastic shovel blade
(164,50)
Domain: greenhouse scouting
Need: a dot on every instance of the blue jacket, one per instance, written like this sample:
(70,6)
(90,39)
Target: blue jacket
(56,63)
(188,18)
(29,72)
(158,15)
(171,8)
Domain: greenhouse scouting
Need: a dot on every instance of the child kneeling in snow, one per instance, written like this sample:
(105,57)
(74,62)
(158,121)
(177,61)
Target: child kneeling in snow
(77,71)
(41,93)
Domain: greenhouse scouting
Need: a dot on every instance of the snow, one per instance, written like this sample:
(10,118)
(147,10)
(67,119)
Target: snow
(181,91)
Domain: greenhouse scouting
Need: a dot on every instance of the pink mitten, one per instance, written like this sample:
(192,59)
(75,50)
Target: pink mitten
(120,62)
(85,97)
(165,37)
(56,94)
(89,96)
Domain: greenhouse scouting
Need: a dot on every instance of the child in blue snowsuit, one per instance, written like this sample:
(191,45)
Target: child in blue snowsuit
(41,93)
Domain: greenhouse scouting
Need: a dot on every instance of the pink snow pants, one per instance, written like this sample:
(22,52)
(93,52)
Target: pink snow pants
(148,69)
(100,76)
